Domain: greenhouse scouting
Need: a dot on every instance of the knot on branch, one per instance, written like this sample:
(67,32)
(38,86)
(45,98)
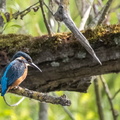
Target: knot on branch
(60,14)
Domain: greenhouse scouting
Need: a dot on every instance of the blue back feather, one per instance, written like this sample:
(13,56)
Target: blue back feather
(11,73)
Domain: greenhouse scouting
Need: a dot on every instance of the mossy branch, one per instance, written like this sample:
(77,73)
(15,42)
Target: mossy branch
(64,62)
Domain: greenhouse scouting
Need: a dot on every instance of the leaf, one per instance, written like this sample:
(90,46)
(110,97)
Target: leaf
(16,25)
(4,17)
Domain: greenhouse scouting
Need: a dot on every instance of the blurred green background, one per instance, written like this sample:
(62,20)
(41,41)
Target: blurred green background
(83,104)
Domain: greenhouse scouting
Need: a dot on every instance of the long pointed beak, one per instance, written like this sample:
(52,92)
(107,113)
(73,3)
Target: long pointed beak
(35,66)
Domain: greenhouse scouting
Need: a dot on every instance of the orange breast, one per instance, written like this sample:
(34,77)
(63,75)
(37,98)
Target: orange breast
(20,79)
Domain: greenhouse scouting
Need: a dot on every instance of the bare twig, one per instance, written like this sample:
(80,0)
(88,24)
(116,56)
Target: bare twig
(15,15)
(35,7)
(62,15)
(57,2)
(84,8)
(48,8)
(65,3)
(66,110)
(98,99)
(80,6)
(116,93)
(24,12)
(58,28)
(42,97)
(85,18)
(114,113)
(51,8)
(101,15)
(44,17)
(69,113)
(104,11)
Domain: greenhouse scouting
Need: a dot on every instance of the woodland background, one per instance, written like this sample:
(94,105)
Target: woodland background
(84,105)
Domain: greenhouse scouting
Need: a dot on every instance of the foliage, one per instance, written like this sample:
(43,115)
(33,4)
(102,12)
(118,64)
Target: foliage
(83,104)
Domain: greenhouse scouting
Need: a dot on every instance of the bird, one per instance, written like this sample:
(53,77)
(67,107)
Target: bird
(16,71)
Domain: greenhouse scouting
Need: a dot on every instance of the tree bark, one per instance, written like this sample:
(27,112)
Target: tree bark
(65,64)
(2,9)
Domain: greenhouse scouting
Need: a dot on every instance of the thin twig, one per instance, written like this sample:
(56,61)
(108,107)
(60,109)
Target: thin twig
(21,14)
(44,17)
(27,10)
(116,93)
(66,110)
(69,113)
(98,99)
(85,18)
(84,9)
(101,15)
(114,113)
(105,11)
(42,97)
(48,8)
(58,28)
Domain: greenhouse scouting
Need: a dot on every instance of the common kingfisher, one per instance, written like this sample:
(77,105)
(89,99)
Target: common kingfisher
(16,71)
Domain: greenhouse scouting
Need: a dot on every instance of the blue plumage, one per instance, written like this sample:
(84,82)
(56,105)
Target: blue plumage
(19,54)
(11,73)
(15,72)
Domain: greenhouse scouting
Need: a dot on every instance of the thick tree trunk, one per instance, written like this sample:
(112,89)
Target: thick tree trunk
(65,64)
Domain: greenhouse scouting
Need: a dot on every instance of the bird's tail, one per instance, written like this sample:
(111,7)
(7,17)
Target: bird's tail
(4,87)
(0,86)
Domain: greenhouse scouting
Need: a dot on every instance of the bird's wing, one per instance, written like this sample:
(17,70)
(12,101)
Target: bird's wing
(11,73)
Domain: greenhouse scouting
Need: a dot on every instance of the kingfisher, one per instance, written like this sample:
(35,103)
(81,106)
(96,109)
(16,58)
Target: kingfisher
(16,71)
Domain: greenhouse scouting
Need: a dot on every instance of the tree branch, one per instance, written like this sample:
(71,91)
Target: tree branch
(42,97)
(67,111)
(104,11)
(65,64)
(101,15)
(98,99)
(116,93)
(105,86)
(44,17)
(43,111)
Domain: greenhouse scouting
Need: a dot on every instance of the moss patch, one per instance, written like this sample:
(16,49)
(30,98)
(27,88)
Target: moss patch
(107,35)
